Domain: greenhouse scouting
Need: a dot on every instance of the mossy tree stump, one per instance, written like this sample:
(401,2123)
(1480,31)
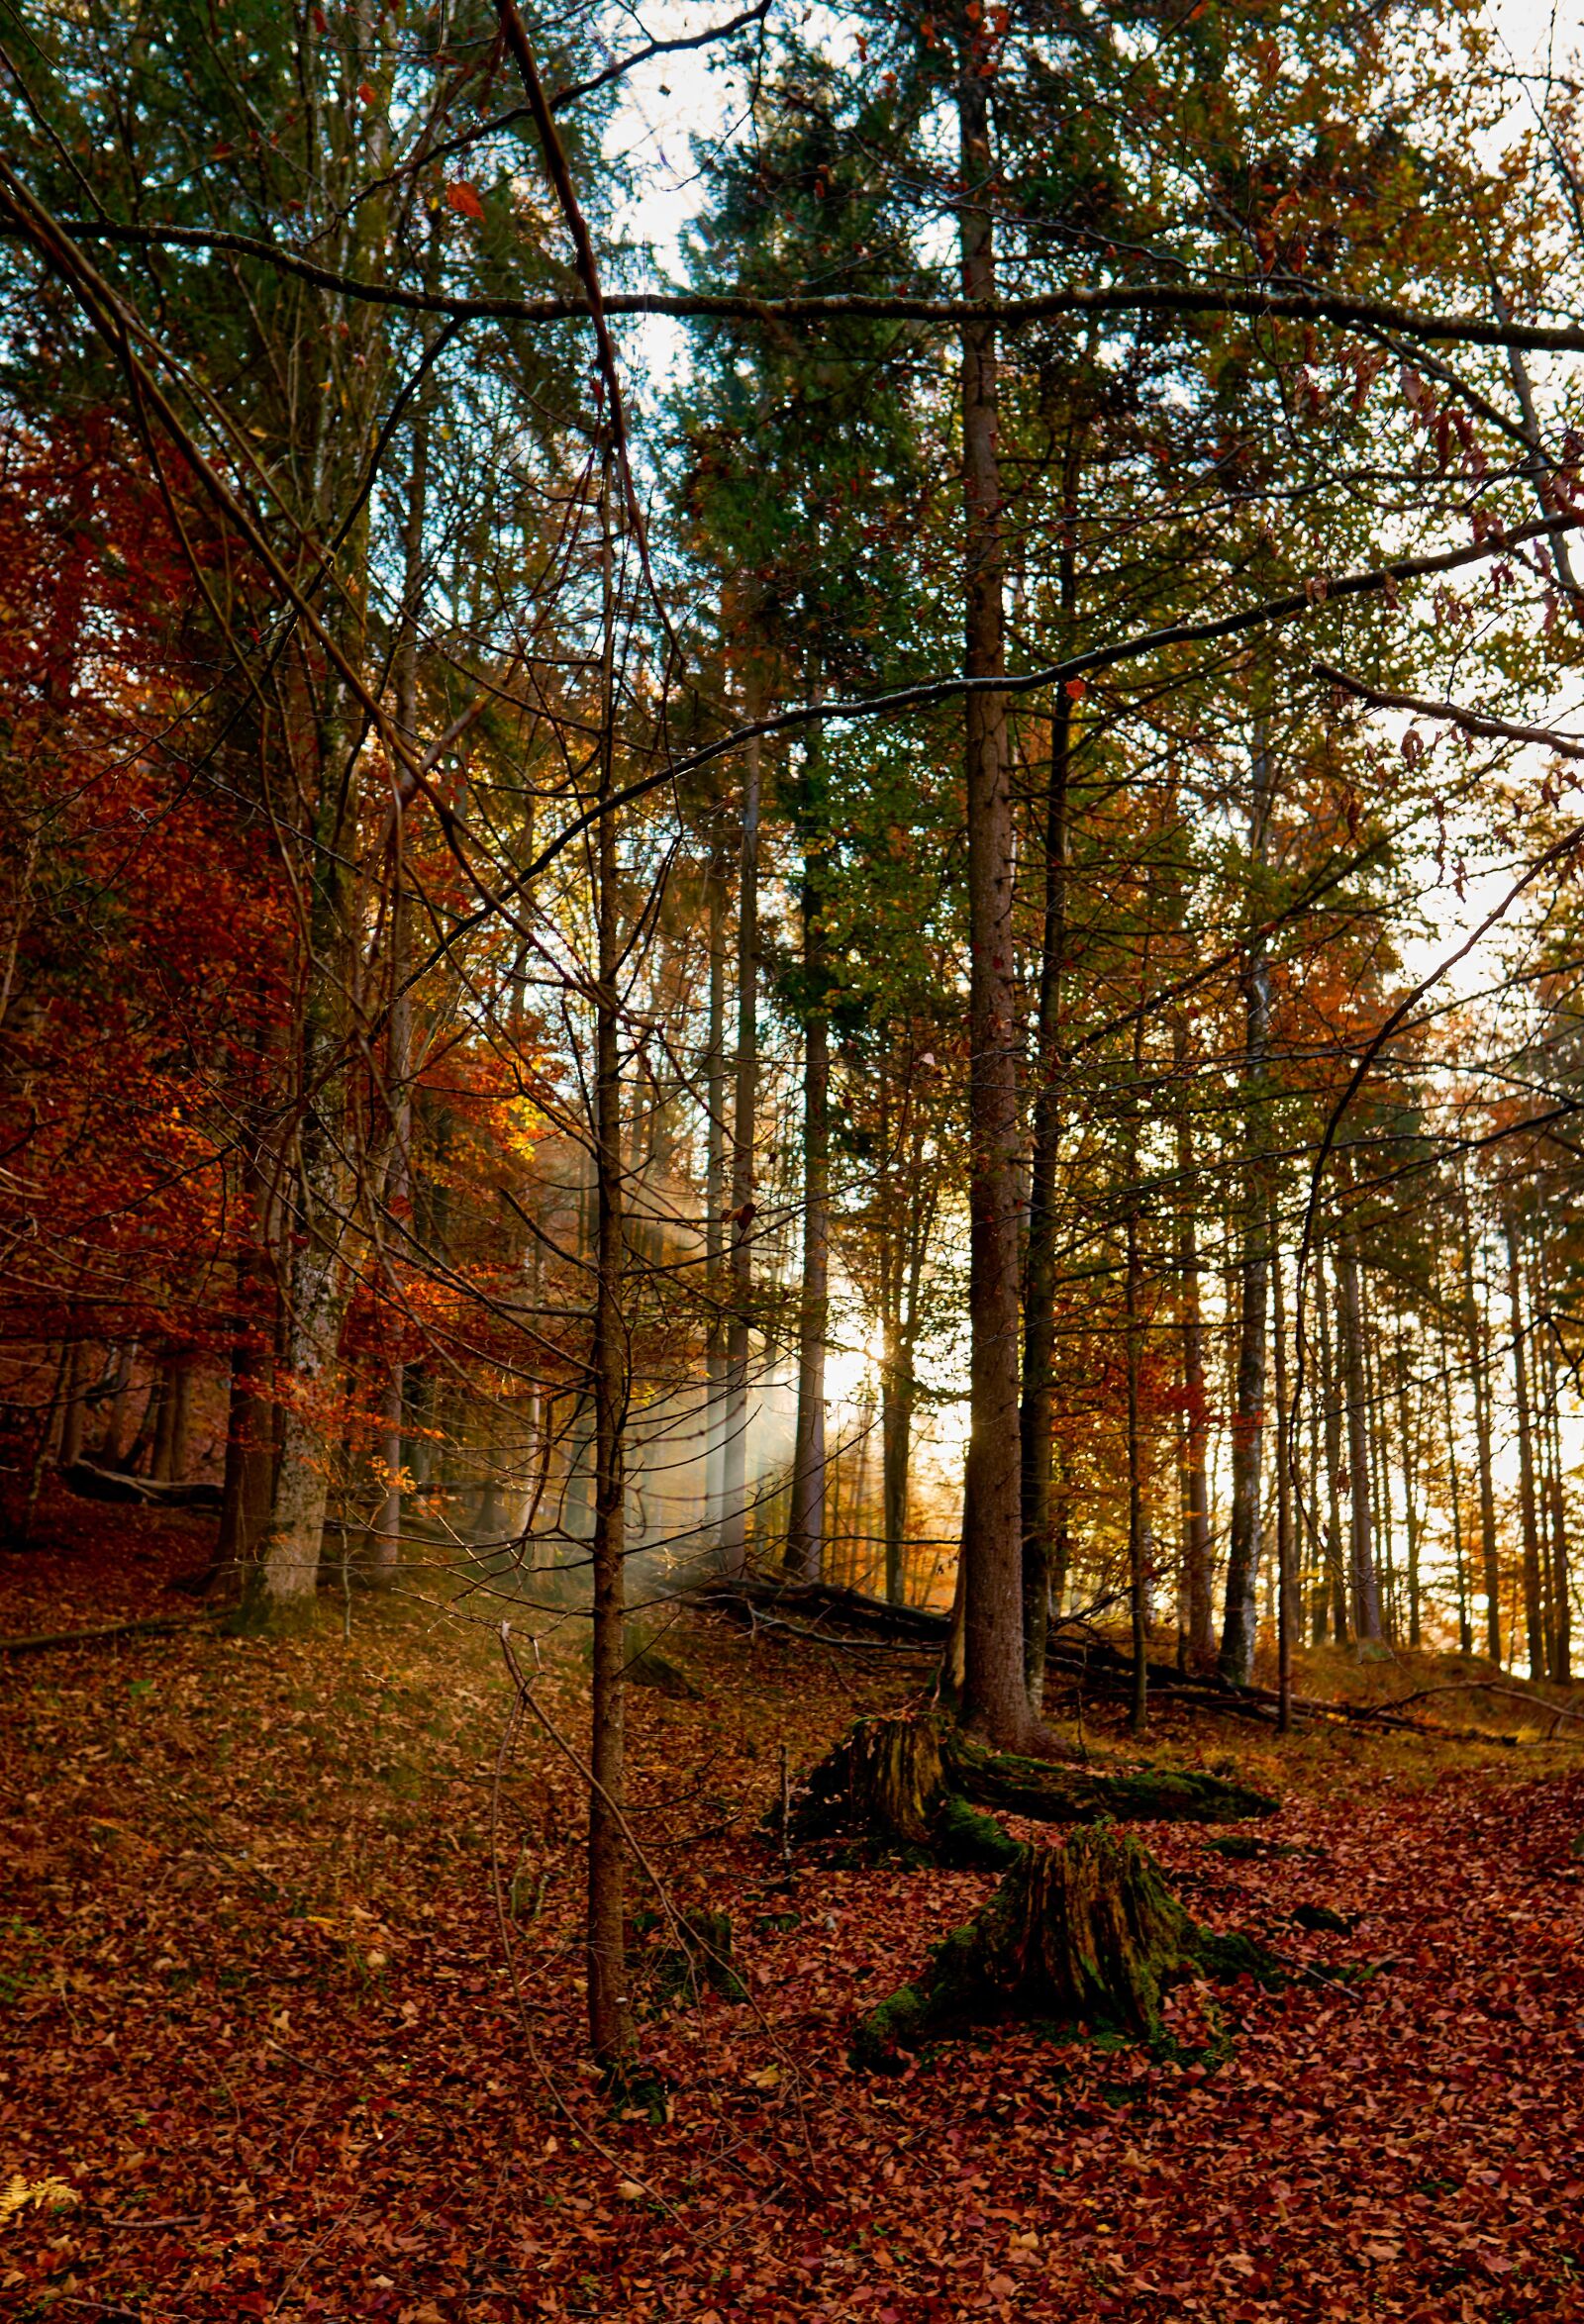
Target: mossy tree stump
(1085,1935)
(917,1785)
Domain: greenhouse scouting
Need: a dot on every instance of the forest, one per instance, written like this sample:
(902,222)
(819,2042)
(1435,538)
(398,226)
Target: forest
(791,1148)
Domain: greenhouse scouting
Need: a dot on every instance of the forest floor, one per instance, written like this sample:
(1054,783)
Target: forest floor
(261,2054)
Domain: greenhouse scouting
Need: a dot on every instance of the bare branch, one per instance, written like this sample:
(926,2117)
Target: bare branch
(1079,302)
(1473,722)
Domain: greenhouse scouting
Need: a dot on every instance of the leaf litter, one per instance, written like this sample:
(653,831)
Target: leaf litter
(260,2057)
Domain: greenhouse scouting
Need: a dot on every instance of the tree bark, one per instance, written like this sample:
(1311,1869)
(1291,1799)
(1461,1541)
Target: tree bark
(995,1685)
(1240,1619)
(610,2021)
(1038,1409)
(1336,1568)
(896,1430)
(715,1341)
(1479,1377)
(1285,1452)
(1138,1546)
(1197,1554)
(806,1525)
(745,1098)
(249,1482)
(1405,1434)
(385,1550)
(73,1410)
(1465,1629)
(1534,1610)
(1560,1625)
(1365,1589)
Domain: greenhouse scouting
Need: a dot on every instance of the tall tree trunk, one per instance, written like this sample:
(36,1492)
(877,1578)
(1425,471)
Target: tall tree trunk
(1285,1453)
(245,1493)
(745,1098)
(45,1440)
(805,1524)
(896,1431)
(994,1696)
(116,1449)
(385,1550)
(168,1461)
(715,1348)
(1037,1413)
(1534,1610)
(1197,1550)
(1465,1629)
(385,1553)
(610,2020)
(1365,1589)
(1380,1451)
(1138,1546)
(1240,1619)
(1331,1370)
(1475,1343)
(74,1404)
(1317,1583)
(1559,1622)
(1411,1525)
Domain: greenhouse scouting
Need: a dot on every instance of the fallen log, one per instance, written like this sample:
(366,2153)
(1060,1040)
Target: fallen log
(820,1605)
(1100,1666)
(1086,1935)
(150,1628)
(918,1786)
(111,1485)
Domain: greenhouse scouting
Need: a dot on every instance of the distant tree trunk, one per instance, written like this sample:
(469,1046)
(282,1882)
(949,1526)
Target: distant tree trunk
(146,1449)
(1286,1579)
(45,1439)
(1465,1630)
(385,1550)
(805,1539)
(1236,1660)
(1197,1551)
(248,1481)
(745,1098)
(74,1406)
(1379,1450)
(1330,1369)
(1479,1377)
(1062,1535)
(167,1461)
(995,1689)
(1365,1589)
(715,1182)
(896,1430)
(1561,1627)
(1534,1610)
(1313,1540)
(1404,1438)
(1037,1412)
(1240,1619)
(115,1445)
(1137,1545)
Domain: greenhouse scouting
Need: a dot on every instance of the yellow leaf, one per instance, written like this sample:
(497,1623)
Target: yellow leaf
(18,2192)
